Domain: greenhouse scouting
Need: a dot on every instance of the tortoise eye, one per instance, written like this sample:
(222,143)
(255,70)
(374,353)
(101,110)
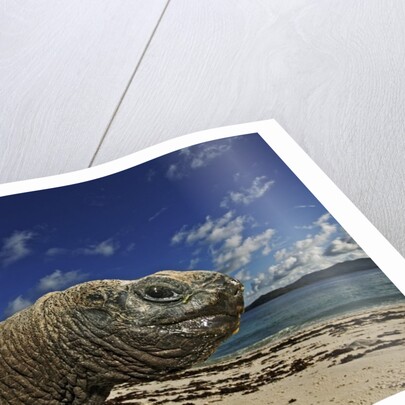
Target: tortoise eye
(96,298)
(161,293)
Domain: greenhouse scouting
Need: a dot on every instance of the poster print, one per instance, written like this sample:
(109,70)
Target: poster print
(322,321)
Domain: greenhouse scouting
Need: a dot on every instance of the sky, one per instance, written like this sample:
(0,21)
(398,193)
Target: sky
(230,205)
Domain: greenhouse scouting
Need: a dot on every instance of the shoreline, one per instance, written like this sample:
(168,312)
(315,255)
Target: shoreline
(293,330)
(357,358)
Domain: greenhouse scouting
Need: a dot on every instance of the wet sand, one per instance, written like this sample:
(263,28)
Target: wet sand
(357,359)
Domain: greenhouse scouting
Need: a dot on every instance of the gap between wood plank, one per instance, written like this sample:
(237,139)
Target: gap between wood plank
(128,85)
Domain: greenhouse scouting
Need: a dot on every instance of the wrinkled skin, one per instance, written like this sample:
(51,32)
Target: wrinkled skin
(72,347)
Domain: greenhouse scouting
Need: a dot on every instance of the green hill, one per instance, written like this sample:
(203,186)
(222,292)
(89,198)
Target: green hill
(336,270)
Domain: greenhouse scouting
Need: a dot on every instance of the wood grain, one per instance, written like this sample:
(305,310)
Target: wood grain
(63,68)
(330,72)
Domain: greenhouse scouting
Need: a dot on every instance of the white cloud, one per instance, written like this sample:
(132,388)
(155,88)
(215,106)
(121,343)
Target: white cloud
(105,248)
(196,157)
(342,245)
(231,257)
(17,305)
(193,263)
(15,247)
(200,157)
(211,231)
(154,216)
(59,280)
(247,195)
(243,275)
(56,251)
(130,247)
(173,172)
(313,253)
(304,206)
(150,175)
(223,236)
(304,227)
(179,236)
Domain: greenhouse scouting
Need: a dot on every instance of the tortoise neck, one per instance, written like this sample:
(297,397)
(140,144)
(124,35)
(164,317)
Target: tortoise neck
(33,367)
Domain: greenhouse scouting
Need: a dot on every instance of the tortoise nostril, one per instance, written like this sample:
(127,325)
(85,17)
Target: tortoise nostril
(234,285)
(237,288)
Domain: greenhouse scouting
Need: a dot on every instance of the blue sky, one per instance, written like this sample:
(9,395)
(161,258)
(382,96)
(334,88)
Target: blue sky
(229,205)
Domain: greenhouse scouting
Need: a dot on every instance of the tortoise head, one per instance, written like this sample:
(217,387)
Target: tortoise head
(145,328)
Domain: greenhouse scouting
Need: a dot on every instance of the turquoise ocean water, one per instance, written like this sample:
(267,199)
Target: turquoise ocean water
(317,302)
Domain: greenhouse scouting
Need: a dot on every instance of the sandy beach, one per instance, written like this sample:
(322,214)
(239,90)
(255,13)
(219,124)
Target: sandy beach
(356,359)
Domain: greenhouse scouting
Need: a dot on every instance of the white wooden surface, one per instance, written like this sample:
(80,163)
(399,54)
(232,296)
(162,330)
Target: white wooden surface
(331,72)
(63,68)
